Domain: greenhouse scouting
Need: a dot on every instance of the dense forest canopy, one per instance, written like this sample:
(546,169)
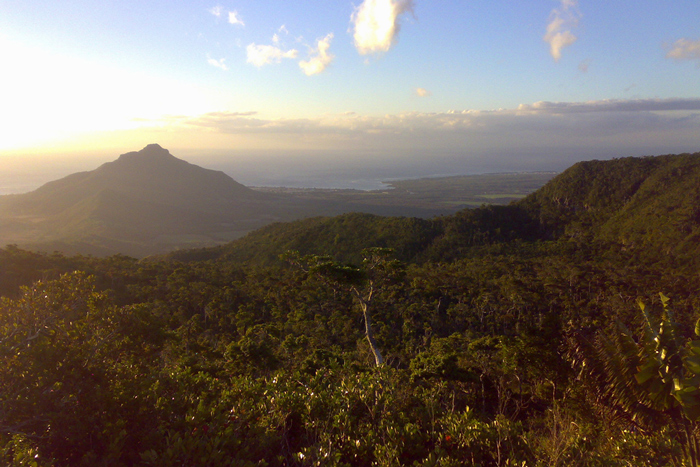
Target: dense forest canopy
(557,330)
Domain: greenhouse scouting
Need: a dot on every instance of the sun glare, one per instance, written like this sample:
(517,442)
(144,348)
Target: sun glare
(44,97)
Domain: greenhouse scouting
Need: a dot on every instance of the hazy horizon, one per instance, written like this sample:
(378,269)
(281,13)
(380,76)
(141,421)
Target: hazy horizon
(275,169)
(304,169)
(403,88)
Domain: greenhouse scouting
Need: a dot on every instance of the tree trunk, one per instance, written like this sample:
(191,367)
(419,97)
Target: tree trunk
(364,305)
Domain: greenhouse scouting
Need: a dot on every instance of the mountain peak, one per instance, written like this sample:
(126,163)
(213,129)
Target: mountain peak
(150,152)
(154,150)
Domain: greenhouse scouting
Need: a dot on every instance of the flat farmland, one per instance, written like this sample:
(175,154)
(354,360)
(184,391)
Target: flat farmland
(425,197)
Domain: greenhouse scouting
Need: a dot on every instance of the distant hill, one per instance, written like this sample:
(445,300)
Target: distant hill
(150,202)
(141,203)
(150,174)
(646,203)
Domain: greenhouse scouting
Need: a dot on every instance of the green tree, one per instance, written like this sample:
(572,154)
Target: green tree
(363,283)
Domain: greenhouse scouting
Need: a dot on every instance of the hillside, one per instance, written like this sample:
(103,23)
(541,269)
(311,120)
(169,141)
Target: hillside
(143,201)
(149,202)
(636,202)
(344,236)
(146,202)
(558,330)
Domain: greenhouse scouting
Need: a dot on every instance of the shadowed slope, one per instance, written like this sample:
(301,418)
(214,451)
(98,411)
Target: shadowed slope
(148,199)
(152,174)
(650,203)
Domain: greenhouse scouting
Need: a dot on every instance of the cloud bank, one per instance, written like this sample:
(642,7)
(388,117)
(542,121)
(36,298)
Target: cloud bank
(321,58)
(260,55)
(376,24)
(615,127)
(559,34)
(534,136)
(612,105)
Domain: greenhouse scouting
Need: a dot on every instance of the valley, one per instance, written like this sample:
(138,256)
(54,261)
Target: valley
(559,329)
(430,196)
(150,202)
(376,233)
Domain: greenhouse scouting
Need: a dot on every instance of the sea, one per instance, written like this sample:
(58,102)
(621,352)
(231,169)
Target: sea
(16,184)
(292,170)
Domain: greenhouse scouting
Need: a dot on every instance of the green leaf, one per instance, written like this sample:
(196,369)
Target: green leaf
(689,399)
(649,370)
(641,305)
(695,347)
(687,391)
(692,412)
(692,363)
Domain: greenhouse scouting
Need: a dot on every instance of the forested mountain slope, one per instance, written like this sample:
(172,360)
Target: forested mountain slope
(636,202)
(142,202)
(525,335)
(343,236)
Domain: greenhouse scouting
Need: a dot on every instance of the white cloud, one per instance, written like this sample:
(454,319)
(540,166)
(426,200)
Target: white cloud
(558,34)
(685,49)
(377,24)
(217,63)
(282,30)
(260,55)
(322,58)
(233,18)
(420,92)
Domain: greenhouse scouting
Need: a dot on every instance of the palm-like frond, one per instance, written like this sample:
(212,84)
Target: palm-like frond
(651,381)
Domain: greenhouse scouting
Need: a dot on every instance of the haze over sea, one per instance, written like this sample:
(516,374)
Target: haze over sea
(345,94)
(322,169)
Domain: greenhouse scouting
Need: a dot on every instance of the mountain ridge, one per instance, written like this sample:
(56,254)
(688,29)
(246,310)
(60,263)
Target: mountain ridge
(643,203)
(138,199)
(153,171)
(150,202)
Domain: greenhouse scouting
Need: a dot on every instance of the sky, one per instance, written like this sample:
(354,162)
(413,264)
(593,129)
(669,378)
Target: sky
(444,85)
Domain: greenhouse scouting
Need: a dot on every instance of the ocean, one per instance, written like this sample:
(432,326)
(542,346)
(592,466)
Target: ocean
(331,170)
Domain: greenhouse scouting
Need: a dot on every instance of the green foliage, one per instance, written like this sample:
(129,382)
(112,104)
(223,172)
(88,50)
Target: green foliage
(643,203)
(342,237)
(653,380)
(499,347)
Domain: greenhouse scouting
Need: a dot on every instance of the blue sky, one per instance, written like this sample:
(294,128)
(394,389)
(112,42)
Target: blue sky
(387,77)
